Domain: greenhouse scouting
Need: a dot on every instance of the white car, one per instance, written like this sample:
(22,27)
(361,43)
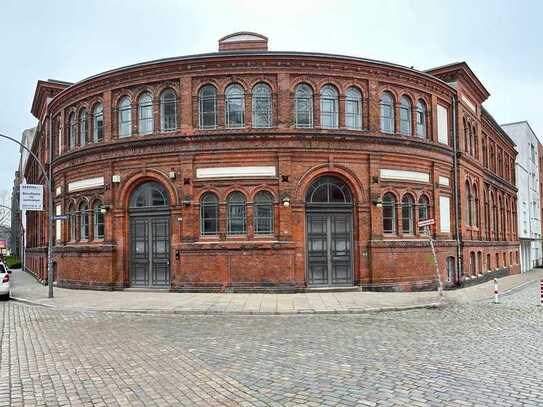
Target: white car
(4,281)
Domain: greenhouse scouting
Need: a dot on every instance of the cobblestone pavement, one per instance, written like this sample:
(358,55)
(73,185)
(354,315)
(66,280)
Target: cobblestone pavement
(477,354)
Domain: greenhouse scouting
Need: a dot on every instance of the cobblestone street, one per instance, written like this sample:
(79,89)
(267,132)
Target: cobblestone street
(470,354)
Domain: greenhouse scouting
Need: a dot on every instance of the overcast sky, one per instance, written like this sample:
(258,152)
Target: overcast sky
(70,40)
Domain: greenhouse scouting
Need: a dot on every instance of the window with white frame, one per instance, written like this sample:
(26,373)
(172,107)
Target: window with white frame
(387,112)
(329,107)
(262,106)
(353,109)
(234,109)
(125,117)
(303,106)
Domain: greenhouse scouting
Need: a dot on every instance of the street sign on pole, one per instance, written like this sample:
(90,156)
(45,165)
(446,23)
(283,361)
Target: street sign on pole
(426,222)
(31,197)
(60,217)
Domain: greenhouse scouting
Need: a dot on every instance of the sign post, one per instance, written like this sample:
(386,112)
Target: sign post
(31,197)
(426,225)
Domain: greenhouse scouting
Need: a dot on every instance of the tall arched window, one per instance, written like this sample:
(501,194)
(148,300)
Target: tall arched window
(73,130)
(72,223)
(408,211)
(387,112)
(468,204)
(475,206)
(389,213)
(424,208)
(209,214)
(234,106)
(83,126)
(98,220)
(487,214)
(475,142)
(329,107)
(262,106)
(405,116)
(98,123)
(168,110)
(125,117)
(207,103)
(145,111)
(83,221)
(303,106)
(353,109)
(421,118)
(237,214)
(485,153)
(466,136)
(263,213)
(495,225)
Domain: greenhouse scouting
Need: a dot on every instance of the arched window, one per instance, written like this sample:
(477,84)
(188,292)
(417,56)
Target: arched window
(168,110)
(263,213)
(98,220)
(237,214)
(303,106)
(471,141)
(73,130)
(209,214)
(405,116)
(125,117)
(145,110)
(389,213)
(466,136)
(485,153)
(328,190)
(207,102)
(83,132)
(262,106)
(329,107)
(387,112)
(149,194)
(72,223)
(98,123)
(83,221)
(487,214)
(408,218)
(468,206)
(234,109)
(353,109)
(421,119)
(475,206)
(475,143)
(424,208)
(494,221)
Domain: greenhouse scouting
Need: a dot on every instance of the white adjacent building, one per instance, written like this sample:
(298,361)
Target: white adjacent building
(528,199)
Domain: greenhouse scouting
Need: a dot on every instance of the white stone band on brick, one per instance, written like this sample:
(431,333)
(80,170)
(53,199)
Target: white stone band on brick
(443,181)
(236,172)
(86,184)
(402,175)
(442,125)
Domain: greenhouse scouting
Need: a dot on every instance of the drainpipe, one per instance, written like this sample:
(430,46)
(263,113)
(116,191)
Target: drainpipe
(459,262)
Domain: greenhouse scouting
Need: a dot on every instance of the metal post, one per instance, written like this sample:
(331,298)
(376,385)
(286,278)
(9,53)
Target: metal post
(49,212)
(496,292)
(541,292)
(438,274)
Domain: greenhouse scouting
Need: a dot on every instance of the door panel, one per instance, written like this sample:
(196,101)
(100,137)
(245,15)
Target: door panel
(161,253)
(329,249)
(139,257)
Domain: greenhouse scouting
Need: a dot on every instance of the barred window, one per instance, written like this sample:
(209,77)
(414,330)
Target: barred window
(424,208)
(83,221)
(353,109)
(387,112)
(329,107)
(421,118)
(83,132)
(263,213)
(237,215)
(98,220)
(408,218)
(303,106)
(262,106)
(125,117)
(145,104)
(234,106)
(98,123)
(168,110)
(207,102)
(209,214)
(389,213)
(405,116)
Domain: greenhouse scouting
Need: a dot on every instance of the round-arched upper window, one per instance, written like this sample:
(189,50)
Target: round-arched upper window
(328,190)
(149,195)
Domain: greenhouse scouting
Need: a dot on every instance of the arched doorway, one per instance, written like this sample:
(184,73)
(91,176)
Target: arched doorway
(329,233)
(149,264)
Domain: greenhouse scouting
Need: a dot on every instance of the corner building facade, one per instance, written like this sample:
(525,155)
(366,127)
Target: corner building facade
(248,169)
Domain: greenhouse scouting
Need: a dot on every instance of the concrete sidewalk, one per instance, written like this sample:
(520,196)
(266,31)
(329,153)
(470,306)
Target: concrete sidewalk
(25,288)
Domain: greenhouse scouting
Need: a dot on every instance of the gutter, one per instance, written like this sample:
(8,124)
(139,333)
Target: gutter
(459,261)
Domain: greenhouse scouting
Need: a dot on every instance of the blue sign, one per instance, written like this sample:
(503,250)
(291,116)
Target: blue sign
(60,217)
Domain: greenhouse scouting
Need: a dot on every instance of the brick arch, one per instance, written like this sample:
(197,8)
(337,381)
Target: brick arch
(117,98)
(331,82)
(308,81)
(234,188)
(136,178)
(198,197)
(262,188)
(253,82)
(145,89)
(235,81)
(397,195)
(339,171)
(173,85)
(390,89)
(204,82)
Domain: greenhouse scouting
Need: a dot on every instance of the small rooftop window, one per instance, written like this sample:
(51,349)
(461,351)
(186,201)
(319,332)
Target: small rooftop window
(243,41)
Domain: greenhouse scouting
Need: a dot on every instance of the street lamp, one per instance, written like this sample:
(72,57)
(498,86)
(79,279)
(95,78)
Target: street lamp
(49,213)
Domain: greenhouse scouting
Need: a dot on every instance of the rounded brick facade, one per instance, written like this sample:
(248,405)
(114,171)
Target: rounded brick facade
(97,171)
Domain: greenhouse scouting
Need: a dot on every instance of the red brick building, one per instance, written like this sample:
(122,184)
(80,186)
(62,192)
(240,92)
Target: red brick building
(251,169)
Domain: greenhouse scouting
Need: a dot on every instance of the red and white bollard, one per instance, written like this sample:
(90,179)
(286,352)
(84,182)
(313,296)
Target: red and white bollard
(541,292)
(496,294)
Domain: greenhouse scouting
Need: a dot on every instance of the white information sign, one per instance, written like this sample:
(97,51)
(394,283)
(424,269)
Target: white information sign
(31,197)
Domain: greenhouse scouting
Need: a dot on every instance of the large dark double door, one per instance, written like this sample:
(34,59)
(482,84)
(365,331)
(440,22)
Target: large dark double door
(329,249)
(149,251)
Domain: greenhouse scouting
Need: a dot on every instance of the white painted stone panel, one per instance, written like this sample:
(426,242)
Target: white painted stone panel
(86,184)
(442,125)
(236,172)
(444,181)
(444,214)
(402,175)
